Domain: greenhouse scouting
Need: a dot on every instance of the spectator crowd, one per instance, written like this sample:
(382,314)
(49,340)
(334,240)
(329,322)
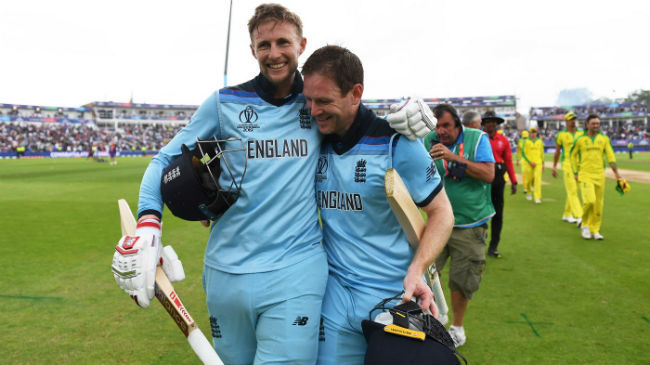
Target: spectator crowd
(63,137)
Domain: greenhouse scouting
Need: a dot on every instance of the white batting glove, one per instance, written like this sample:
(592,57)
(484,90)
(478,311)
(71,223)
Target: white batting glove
(412,118)
(135,260)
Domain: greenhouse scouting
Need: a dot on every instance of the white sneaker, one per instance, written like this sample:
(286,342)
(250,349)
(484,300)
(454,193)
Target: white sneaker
(579,222)
(572,220)
(458,335)
(538,201)
(566,219)
(598,236)
(529,197)
(585,233)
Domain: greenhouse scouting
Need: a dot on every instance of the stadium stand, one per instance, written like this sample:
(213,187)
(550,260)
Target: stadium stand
(47,131)
(504,105)
(622,122)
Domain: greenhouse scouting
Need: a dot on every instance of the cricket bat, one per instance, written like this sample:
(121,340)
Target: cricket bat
(170,301)
(409,217)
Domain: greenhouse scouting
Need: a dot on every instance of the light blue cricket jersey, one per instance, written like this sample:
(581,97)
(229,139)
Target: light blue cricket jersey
(274,223)
(366,247)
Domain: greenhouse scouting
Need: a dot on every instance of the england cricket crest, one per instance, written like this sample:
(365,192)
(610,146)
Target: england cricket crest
(360,171)
(305,117)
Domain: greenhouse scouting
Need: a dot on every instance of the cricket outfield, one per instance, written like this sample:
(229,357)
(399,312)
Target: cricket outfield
(554,298)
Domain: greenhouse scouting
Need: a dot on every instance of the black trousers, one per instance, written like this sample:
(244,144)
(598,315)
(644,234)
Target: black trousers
(498,186)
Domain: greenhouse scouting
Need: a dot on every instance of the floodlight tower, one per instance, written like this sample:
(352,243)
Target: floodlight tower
(225,70)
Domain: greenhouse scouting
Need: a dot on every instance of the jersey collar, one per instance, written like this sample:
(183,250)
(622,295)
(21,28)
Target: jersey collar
(265,89)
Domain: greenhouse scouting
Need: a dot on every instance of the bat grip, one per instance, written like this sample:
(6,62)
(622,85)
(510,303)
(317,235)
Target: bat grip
(203,348)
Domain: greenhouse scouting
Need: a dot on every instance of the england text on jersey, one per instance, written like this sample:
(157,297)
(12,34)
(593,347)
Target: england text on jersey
(332,199)
(273,148)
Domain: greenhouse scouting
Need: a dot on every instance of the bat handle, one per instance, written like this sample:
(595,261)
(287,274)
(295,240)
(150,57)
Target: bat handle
(203,348)
(438,294)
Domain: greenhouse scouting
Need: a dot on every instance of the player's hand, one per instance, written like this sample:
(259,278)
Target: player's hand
(416,287)
(412,118)
(440,152)
(554,172)
(205,223)
(513,189)
(135,260)
(532,164)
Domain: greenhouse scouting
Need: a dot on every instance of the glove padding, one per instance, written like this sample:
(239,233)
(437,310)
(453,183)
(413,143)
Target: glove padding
(412,118)
(136,258)
(622,186)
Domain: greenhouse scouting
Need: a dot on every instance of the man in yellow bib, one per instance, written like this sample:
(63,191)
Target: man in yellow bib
(589,169)
(563,143)
(533,156)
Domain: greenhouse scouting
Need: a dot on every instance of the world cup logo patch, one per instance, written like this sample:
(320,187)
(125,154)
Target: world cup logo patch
(248,117)
(321,169)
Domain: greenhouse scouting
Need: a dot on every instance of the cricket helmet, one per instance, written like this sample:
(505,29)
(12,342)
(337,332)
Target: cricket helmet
(570,116)
(411,338)
(192,186)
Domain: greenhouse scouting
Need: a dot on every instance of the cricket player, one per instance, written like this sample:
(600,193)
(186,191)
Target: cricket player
(464,158)
(112,151)
(563,143)
(588,161)
(368,253)
(533,155)
(525,169)
(259,312)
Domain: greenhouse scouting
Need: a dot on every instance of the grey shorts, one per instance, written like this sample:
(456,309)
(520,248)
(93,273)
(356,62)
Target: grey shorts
(466,250)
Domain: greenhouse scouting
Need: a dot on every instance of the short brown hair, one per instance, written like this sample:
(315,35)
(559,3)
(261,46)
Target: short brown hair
(590,117)
(276,13)
(337,63)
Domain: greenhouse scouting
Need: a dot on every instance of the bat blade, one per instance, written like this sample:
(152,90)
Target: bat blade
(169,299)
(407,213)
(127,220)
(409,217)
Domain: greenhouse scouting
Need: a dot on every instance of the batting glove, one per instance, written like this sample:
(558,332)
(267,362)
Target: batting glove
(412,118)
(135,260)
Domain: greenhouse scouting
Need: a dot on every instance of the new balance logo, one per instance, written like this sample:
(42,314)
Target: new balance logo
(300,321)
(321,331)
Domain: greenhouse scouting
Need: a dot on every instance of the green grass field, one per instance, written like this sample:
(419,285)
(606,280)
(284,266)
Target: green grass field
(553,298)
(640,161)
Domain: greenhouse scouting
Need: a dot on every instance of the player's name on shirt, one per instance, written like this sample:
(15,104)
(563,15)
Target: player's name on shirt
(273,148)
(339,200)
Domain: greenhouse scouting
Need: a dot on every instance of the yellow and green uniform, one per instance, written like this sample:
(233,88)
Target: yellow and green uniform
(564,141)
(588,161)
(525,168)
(533,151)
